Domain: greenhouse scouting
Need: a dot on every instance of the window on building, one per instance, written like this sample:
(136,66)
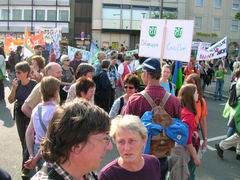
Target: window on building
(27,14)
(170,13)
(199,3)
(236,4)
(16,14)
(63,15)
(51,15)
(198,22)
(155,12)
(234,26)
(216,24)
(126,17)
(111,17)
(4,14)
(40,15)
(139,13)
(217,4)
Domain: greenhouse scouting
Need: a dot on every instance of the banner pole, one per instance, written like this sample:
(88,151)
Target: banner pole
(163,41)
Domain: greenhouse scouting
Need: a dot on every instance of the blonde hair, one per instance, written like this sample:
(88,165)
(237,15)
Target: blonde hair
(129,122)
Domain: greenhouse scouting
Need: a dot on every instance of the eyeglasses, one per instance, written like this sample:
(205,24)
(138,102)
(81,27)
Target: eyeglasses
(67,60)
(105,140)
(128,87)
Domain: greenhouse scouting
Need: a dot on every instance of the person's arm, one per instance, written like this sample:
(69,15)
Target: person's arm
(193,154)
(33,99)
(12,95)
(29,137)
(115,108)
(203,124)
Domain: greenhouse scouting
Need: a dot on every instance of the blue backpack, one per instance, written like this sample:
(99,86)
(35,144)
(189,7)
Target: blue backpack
(174,130)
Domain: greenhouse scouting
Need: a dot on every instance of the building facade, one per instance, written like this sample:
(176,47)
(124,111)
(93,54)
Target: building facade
(118,22)
(15,15)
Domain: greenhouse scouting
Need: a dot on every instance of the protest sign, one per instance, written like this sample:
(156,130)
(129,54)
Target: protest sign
(10,43)
(132,52)
(86,55)
(195,45)
(52,38)
(150,44)
(215,51)
(177,45)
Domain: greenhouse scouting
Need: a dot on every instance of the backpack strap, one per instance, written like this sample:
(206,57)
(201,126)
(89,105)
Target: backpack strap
(121,104)
(164,99)
(170,86)
(148,98)
(40,119)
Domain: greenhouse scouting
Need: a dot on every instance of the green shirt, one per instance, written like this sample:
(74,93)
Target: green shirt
(219,74)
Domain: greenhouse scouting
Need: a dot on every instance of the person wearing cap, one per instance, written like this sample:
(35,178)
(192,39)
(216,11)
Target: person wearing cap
(138,105)
(83,70)
(68,77)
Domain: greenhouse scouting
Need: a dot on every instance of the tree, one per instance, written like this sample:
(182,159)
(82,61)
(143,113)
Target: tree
(237,16)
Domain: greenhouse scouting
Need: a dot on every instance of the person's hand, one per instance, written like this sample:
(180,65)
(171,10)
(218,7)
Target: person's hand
(30,163)
(15,83)
(197,162)
(204,144)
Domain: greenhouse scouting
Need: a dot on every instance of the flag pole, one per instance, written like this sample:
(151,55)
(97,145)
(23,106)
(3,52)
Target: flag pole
(163,41)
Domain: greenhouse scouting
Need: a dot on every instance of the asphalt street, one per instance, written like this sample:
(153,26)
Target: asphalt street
(212,167)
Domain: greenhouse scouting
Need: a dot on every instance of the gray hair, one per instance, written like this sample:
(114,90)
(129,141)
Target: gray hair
(129,122)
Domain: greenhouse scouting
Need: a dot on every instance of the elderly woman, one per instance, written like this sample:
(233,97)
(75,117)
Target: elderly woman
(85,88)
(21,88)
(131,85)
(130,135)
(68,77)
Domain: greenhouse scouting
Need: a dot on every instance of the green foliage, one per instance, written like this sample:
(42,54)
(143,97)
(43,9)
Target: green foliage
(237,16)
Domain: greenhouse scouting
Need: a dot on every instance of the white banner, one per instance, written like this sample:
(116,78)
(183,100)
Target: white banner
(215,51)
(178,40)
(86,55)
(195,45)
(151,38)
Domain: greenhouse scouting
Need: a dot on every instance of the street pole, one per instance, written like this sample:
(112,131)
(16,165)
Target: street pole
(161,10)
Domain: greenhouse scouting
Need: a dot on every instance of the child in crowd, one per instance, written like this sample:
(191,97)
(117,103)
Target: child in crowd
(180,155)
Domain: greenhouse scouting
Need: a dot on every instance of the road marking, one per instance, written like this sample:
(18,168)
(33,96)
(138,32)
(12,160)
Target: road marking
(214,139)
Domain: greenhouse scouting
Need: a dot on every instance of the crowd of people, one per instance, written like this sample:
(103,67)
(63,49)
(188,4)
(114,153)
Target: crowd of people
(68,111)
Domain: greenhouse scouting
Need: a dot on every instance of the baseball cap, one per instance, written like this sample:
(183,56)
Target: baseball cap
(152,65)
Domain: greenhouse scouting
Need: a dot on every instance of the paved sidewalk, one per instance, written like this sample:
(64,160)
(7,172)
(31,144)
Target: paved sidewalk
(210,90)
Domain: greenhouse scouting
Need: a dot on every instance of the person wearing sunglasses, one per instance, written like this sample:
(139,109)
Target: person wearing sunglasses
(131,86)
(22,86)
(68,77)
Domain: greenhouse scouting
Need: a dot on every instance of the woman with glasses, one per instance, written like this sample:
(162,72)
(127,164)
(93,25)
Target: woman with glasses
(21,88)
(131,85)
(129,135)
(68,77)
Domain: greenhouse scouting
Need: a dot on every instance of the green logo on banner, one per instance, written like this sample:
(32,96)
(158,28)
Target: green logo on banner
(178,32)
(152,31)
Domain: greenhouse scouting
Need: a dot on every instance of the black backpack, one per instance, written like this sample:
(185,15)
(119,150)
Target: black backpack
(233,98)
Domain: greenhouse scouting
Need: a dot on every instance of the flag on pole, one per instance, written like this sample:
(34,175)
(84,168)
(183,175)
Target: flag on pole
(178,75)
(28,51)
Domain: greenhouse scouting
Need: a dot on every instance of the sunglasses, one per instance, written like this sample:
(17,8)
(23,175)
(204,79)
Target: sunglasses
(67,60)
(128,87)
